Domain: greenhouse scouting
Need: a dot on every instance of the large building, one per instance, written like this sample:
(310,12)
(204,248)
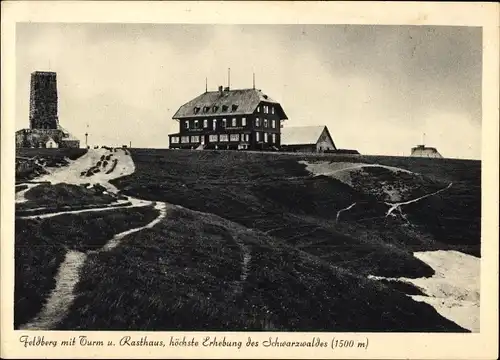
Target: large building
(315,138)
(44,130)
(229,119)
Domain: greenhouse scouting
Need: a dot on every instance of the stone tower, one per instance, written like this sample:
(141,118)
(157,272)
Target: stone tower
(43,100)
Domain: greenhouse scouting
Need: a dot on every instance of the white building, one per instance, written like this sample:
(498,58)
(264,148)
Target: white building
(424,151)
(51,144)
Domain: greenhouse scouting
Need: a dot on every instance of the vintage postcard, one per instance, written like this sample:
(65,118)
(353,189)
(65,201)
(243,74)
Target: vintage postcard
(249,180)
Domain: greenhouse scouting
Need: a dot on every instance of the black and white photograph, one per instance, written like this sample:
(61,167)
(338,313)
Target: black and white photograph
(277,178)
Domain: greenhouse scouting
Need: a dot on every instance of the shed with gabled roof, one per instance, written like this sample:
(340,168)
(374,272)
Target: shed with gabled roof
(315,138)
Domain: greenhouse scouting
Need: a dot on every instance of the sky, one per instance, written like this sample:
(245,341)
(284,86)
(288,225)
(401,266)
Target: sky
(378,88)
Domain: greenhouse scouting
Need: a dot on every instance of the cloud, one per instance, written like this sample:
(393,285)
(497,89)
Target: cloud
(378,88)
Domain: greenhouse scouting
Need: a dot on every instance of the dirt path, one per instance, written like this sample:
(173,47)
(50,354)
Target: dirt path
(115,241)
(397,206)
(61,298)
(20,195)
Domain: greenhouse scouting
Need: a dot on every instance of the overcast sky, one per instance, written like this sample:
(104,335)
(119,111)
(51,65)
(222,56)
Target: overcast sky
(377,88)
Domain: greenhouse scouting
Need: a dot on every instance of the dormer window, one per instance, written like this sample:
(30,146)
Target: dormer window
(215,108)
(224,108)
(196,109)
(206,108)
(234,107)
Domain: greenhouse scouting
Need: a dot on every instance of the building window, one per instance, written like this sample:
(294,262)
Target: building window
(234,137)
(233,122)
(257,136)
(273,138)
(265,123)
(244,121)
(196,109)
(186,124)
(174,139)
(212,138)
(214,124)
(257,122)
(185,139)
(224,108)
(223,137)
(265,109)
(224,123)
(205,123)
(273,124)
(195,139)
(265,137)
(196,124)
(247,137)
(258,109)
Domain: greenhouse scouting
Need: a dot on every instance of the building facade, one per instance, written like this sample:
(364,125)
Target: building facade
(242,119)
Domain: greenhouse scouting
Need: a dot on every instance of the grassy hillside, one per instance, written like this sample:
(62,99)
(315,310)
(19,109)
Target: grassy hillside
(254,241)
(41,245)
(197,271)
(31,163)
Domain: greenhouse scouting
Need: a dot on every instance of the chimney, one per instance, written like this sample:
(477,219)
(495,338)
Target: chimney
(220,90)
(226,88)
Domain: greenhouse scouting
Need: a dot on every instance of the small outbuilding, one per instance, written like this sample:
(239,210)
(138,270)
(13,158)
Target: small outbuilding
(424,151)
(307,139)
(51,144)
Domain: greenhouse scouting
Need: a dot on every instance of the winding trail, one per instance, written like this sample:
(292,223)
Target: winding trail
(342,210)
(397,206)
(21,195)
(62,296)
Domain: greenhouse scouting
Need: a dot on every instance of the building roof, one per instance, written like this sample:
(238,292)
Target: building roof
(226,102)
(425,151)
(301,135)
